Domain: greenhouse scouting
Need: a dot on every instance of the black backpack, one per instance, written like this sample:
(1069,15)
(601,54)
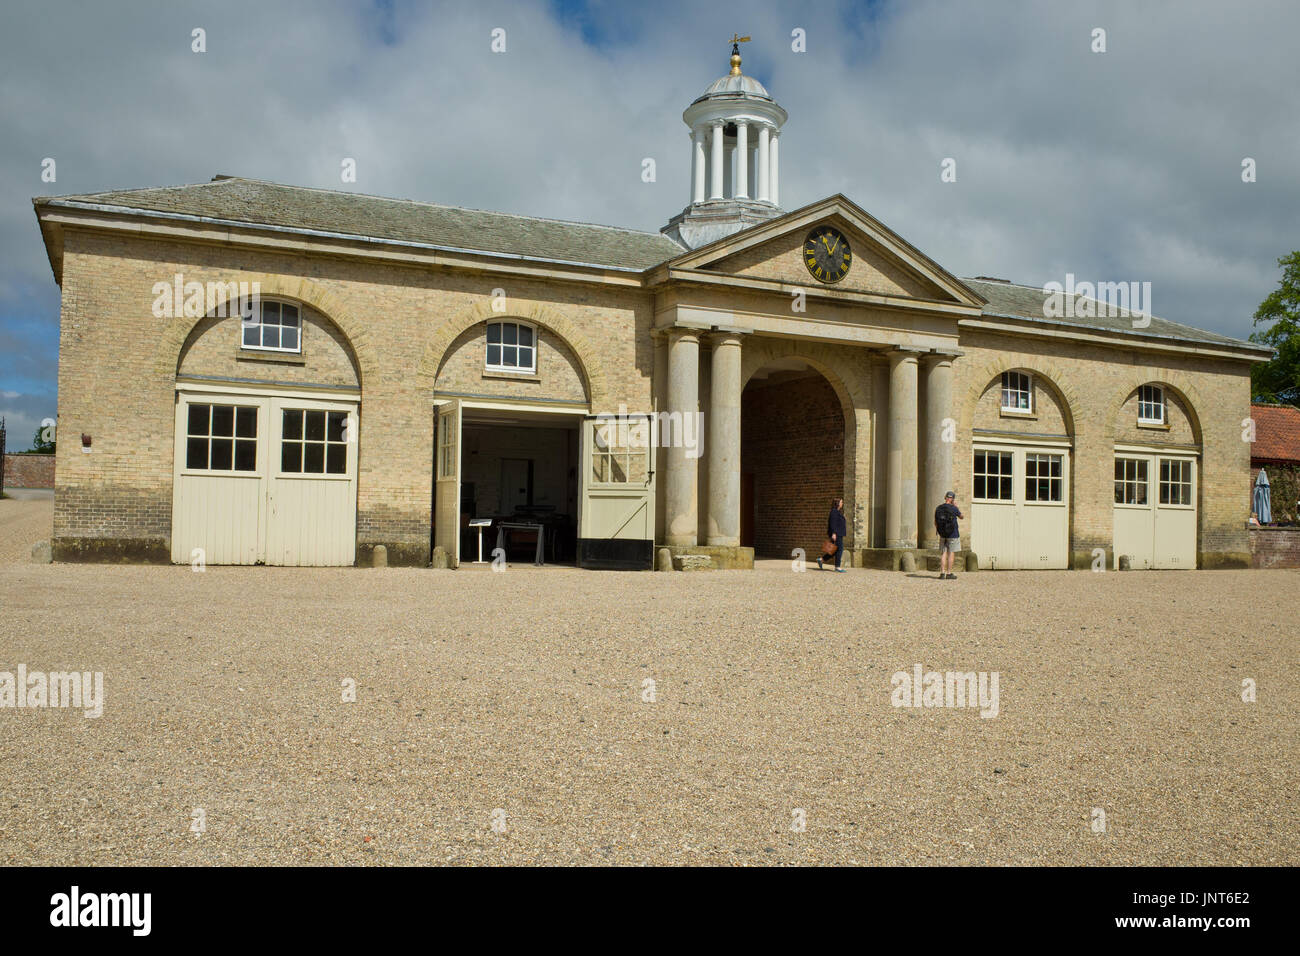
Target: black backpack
(945,521)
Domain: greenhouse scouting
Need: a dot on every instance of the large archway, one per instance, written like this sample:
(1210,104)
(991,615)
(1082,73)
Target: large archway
(792,457)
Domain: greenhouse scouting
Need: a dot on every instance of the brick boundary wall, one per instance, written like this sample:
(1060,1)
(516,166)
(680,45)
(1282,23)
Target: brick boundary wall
(29,471)
(1275,547)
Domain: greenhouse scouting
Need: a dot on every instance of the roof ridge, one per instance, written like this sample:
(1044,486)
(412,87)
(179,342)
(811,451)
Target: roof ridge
(426,202)
(143,189)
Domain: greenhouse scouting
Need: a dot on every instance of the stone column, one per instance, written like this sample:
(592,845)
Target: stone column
(764,179)
(715,159)
(742,159)
(724,441)
(773,187)
(938,452)
(697,165)
(682,522)
(900,514)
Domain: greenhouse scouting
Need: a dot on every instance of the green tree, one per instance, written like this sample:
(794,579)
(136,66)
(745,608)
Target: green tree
(43,443)
(1279,380)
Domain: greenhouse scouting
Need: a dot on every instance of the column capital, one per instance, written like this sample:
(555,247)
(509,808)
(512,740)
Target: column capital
(904,353)
(730,331)
(948,354)
(685,331)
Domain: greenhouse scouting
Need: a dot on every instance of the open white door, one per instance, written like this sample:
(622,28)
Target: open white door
(446,521)
(616,525)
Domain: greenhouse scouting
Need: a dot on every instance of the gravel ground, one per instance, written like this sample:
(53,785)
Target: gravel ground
(23,521)
(523,692)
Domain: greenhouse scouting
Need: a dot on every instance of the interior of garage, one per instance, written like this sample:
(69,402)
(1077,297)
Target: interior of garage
(791,459)
(520,469)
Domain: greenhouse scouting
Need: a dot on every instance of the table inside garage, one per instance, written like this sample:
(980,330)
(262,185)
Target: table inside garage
(533,526)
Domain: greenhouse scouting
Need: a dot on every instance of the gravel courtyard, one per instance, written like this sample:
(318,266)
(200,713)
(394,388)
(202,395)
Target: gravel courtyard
(523,692)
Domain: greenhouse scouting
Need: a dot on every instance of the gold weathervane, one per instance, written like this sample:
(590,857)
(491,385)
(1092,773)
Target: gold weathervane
(736,41)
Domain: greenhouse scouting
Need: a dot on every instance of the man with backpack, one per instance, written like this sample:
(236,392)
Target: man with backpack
(945,523)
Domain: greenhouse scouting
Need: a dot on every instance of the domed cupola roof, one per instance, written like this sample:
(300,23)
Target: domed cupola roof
(735,83)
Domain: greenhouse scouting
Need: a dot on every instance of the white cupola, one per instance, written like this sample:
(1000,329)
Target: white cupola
(735,130)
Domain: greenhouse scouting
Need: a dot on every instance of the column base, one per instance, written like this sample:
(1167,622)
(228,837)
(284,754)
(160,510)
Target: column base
(888,559)
(720,557)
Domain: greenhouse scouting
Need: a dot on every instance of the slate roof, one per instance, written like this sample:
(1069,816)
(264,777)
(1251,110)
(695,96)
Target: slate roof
(1277,433)
(1007,299)
(399,220)
(229,199)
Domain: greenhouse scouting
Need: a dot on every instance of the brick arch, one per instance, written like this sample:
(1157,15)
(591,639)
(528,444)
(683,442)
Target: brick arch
(295,288)
(849,376)
(1043,370)
(589,365)
(848,387)
(1174,381)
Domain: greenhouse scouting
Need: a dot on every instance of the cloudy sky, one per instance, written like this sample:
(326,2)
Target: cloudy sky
(1117,166)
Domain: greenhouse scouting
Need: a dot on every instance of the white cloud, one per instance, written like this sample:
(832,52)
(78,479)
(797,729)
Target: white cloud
(1120,165)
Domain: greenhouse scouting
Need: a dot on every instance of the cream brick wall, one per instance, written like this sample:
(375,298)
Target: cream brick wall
(1098,385)
(559,375)
(118,365)
(404,330)
(1046,418)
(213,349)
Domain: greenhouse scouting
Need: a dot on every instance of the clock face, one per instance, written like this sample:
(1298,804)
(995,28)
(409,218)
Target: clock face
(826,254)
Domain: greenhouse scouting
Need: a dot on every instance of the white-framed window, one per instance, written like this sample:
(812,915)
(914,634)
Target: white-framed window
(1043,477)
(1175,481)
(221,437)
(1131,481)
(511,347)
(1151,405)
(992,475)
(446,446)
(313,442)
(274,327)
(620,453)
(1017,392)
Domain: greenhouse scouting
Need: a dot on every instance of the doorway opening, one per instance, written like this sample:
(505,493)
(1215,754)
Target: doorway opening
(791,458)
(519,469)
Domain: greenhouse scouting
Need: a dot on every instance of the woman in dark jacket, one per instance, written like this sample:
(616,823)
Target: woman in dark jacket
(836,528)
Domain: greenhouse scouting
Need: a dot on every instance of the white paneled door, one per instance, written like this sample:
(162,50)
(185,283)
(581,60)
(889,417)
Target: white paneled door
(263,479)
(1155,510)
(1020,506)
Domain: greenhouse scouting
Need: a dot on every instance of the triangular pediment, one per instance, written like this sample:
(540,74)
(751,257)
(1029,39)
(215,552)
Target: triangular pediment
(882,262)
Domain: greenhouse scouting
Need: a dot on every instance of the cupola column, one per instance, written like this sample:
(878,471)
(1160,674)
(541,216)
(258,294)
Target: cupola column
(774,192)
(697,164)
(716,156)
(764,180)
(742,160)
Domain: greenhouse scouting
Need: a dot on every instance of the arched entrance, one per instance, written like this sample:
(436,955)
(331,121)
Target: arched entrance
(791,458)
(267,426)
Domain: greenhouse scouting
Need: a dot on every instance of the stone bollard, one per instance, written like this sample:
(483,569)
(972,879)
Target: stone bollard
(42,553)
(380,556)
(907,562)
(439,561)
(1125,563)
(972,561)
(663,560)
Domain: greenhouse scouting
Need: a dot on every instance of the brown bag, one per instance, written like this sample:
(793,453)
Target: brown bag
(829,547)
